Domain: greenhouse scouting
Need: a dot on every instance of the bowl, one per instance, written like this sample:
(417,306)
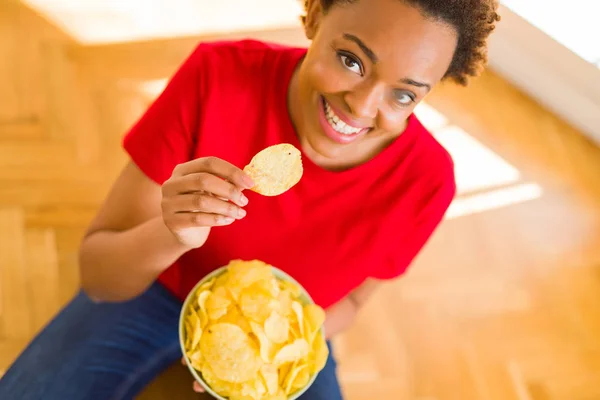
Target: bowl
(304,297)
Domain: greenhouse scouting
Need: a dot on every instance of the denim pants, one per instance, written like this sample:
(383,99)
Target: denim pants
(111,351)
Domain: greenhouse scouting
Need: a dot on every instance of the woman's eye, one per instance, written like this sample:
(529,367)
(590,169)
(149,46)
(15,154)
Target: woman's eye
(351,64)
(404,98)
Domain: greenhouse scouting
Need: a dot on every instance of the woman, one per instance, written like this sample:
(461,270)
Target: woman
(375,186)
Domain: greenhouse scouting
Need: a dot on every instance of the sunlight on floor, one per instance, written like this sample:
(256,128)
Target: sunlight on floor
(485,181)
(151,89)
(493,199)
(113,21)
(477,167)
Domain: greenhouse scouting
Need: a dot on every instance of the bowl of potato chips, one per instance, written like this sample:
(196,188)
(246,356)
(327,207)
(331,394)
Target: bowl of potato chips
(249,331)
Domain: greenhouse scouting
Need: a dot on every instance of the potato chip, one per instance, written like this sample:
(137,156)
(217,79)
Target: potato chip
(251,335)
(196,328)
(289,386)
(275,169)
(268,373)
(315,318)
(229,352)
(277,328)
(295,331)
(247,272)
(279,396)
(266,346)
(319,355)
(256,305)
(252,389)
(299,311)
(302,378)
(218,385)
(291,287)
(239,396)
(234,316)
(284,371)
(221,281)
(188,332)
(217,303)
(268,285)
(284,303)
(202,307)
(242,275)
(292,352)
(260,387)
(206,285)
(196,360)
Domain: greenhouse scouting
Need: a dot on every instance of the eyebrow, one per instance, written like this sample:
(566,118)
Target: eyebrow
(412,82)
(374,59)
(363,47)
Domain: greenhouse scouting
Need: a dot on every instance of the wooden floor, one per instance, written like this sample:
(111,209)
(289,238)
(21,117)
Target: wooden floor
(503,304)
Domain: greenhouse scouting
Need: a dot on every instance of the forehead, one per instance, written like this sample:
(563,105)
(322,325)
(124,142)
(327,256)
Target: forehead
(398,34)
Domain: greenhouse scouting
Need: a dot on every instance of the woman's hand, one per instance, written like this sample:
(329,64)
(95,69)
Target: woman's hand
(200,194)
(196,386)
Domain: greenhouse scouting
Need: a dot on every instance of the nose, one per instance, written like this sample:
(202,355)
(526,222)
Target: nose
(364,100)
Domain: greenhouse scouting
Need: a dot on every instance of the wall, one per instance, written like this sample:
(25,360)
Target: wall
(547,71)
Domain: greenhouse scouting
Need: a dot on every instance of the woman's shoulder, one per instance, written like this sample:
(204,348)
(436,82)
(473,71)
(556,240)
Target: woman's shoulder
(237,55)
(246,45)
(424,173)
(232,65)
(429,157)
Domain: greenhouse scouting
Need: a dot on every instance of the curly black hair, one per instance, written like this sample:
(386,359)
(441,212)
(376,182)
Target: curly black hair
(473,20)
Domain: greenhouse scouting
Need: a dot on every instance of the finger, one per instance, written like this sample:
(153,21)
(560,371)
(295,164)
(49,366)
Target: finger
(205,182)
(198,388)
(196,219)
(203,203)
(183,361)
(216,166)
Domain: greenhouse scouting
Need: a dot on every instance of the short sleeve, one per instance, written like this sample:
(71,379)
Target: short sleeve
(413,240)
(164,135)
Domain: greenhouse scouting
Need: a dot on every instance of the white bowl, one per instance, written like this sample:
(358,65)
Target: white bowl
(279,274)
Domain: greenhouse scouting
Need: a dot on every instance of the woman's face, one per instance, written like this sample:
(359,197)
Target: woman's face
(369,64)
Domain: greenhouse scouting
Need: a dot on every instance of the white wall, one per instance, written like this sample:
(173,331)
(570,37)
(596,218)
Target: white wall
(547,71)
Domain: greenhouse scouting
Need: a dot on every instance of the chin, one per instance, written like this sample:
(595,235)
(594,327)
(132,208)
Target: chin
(324,147)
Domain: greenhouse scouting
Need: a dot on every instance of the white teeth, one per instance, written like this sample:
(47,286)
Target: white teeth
(337,124)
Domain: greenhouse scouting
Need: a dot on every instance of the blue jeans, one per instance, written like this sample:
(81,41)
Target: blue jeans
(111,351)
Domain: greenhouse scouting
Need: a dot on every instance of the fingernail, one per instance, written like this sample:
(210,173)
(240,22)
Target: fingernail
(243,200)
(225,220)
(241,213)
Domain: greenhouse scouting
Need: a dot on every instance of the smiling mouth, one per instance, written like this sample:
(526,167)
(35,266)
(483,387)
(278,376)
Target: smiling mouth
(337,124)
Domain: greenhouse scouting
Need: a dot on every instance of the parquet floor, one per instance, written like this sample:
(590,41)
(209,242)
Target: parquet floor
(502,304)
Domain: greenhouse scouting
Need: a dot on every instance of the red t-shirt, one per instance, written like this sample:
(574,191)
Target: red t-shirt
(332,230)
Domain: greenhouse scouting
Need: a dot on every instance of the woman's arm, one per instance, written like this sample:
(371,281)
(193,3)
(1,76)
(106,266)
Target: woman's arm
(341,315)
(127,244)
(143,227)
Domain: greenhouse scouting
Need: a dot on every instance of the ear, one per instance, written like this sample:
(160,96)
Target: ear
(314,12)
